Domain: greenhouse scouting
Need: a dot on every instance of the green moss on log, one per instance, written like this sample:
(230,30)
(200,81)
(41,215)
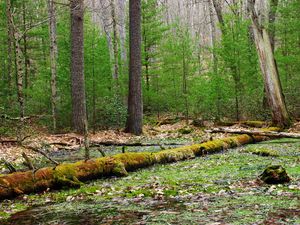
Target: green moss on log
(73,174)
(262,151)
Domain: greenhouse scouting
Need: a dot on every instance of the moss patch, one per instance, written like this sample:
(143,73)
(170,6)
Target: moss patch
(262,151)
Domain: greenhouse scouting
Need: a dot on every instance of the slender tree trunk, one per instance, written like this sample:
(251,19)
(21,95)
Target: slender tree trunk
(269,70)
(10,46)
(93,75)
(184,79)
(25,52)
(53,59)
(135,105)
(115,43)
(122,30)
(214,55)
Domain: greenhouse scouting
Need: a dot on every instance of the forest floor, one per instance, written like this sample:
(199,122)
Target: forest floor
(215,189)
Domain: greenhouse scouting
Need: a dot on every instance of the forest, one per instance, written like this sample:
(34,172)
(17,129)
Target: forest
(149,112)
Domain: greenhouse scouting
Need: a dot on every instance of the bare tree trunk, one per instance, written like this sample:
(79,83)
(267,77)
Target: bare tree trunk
(184,80)
(218,9)
(272,17)
(135,105)
(215,57)
(53,59)
(10,45)
(77,66)
(77,72)
(269,70)
(25,53)
(115,43)
(122,29)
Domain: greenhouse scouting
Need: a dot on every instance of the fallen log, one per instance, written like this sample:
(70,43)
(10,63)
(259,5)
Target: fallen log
(247,123)
(135,144)
(255,132)
(73,174)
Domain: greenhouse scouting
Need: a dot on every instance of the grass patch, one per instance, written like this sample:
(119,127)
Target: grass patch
(218,188)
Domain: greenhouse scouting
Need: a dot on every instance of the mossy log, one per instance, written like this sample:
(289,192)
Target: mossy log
(73,174)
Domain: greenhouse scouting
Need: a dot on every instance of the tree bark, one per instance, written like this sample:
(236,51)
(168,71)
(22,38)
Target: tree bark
(73,174)
(53,59)
(77,67)
(10,45)
(269,70)
(115,44)
(135,105)
(214,55)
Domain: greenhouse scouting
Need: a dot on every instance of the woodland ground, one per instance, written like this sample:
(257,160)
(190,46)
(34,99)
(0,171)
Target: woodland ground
(216,189)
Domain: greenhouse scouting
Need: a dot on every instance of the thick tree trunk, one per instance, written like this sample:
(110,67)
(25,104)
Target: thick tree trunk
(53,59)
(72,174)
(135,105)
(77,67)
(269,70)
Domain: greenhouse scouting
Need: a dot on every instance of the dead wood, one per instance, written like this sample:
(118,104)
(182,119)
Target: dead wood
(8,166)
(72,174)
(28,162)
(37,150)
(255,132)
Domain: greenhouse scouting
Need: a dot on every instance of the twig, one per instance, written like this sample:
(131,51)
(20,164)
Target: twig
(9,166)
(42,153)
(28,161)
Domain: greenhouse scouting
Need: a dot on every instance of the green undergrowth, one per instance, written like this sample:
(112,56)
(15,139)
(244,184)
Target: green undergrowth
(220,188)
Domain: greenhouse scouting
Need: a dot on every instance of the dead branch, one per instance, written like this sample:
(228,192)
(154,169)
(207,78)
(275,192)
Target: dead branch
(37,150)
(28,162)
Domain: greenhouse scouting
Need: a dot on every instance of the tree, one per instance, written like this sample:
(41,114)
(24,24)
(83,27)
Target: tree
(77,72)
(134,122)
(77,67)
(269,69)
(53,58)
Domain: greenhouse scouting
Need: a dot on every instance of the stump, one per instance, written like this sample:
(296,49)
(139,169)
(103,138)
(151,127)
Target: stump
(275,174)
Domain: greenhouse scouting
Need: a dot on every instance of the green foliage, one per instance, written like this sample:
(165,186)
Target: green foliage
(287,29)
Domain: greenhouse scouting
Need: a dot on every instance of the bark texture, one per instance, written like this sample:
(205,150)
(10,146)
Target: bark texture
(77,67)
(53,58)
(72,174)
(269,70)
(134,122)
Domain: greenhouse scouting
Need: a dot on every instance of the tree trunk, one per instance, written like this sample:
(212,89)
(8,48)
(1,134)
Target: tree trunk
(25,52)
(269,70)
(214,55)
(115,44)
(10,45)
(135,105)
(77,67)
(53,59)
(73,174)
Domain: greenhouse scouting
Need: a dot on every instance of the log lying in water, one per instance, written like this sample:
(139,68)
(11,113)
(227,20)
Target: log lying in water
(255,132)
(73,174)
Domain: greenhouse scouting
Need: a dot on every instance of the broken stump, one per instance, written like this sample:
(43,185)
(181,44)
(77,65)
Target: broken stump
(275,174)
